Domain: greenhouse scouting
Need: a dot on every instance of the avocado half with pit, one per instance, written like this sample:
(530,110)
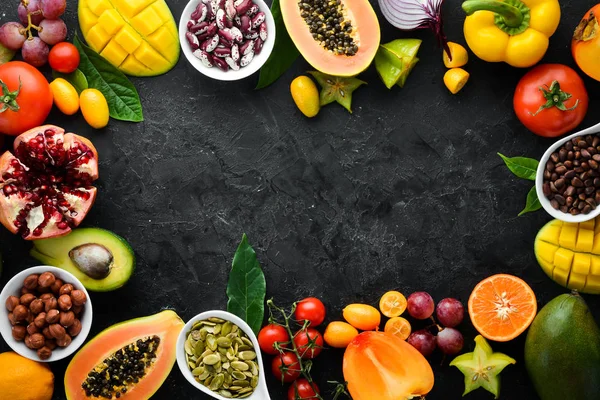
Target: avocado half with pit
(340,38)
(100,259)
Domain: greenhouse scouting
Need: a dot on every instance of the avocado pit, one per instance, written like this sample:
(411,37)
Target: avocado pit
(92,259)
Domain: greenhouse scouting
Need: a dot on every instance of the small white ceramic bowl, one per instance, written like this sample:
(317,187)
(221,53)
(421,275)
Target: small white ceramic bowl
(260,393)
(539,180)
(215,72)
(13,288)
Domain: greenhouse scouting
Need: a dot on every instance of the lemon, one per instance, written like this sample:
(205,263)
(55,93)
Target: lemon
(24,379)
(94,108)
(306,96)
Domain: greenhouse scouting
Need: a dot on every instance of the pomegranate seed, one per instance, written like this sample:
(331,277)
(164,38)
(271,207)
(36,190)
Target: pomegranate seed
(62,225)
(49,132)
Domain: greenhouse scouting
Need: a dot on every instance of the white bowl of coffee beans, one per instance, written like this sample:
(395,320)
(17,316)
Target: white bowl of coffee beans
(45,313)
(568,177)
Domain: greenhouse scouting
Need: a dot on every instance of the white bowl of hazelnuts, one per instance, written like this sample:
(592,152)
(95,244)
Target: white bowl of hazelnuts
(45,313)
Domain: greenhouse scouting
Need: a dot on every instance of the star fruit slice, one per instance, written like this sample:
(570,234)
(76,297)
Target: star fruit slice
(394,61)
(336,88)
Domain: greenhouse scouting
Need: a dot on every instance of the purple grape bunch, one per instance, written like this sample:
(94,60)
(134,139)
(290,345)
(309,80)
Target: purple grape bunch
(449,312)
(35,16)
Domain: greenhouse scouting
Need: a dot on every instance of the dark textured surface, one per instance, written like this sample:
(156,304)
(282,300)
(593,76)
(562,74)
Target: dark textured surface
(407,193)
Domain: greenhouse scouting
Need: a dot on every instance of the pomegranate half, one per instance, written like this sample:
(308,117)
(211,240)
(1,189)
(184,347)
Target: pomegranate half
(46,184)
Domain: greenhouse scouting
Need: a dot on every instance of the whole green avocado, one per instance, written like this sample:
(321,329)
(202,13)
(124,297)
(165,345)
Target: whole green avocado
(562,351)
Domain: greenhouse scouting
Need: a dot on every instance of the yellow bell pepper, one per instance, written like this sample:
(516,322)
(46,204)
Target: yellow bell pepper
(514,31)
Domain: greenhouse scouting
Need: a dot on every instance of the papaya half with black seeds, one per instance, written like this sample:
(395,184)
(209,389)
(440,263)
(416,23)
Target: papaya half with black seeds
(337,37)
(128,361)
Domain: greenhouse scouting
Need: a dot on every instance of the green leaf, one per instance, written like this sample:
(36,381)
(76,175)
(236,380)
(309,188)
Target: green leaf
(122,97)
(533,203)
(77,79)
(522,167)
(246,288)
(6,55)
(284,52)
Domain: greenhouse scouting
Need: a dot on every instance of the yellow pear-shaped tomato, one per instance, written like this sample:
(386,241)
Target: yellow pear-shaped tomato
(379,365)
(362,316)
(65,96)
(94,108)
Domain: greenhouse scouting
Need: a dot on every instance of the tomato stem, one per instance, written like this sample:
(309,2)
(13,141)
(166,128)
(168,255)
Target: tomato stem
(555,97)
(8,98)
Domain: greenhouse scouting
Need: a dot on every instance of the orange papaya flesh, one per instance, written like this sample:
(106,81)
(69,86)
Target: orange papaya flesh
(352,52)
(152,339)
(379,365)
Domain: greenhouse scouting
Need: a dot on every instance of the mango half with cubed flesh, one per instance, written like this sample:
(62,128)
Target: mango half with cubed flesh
(570,254)
(137,36)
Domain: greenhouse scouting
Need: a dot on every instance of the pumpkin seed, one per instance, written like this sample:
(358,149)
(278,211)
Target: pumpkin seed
(254,381)
(199,348)
(247,341)
(244,347)
(188,347)
(216,320)
(224,342)
(247,355)
(211,359)
(203,375)
(217,382)
(225,393)
(226,328)
(211,342)
(242,383)
(240,366)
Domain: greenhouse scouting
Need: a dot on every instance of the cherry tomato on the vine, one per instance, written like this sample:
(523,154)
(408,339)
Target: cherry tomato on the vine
(270,334)
(302,389)
(309,342)
(64,58)
(551,100)
(286,367)
(310,309)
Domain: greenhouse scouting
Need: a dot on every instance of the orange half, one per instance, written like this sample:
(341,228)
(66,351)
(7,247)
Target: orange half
(502,307)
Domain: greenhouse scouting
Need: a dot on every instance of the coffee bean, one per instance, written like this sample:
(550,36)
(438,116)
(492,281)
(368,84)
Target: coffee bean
(569,192)
(554,204)
(569,201)
(569,146)
(568,164)
(546,189)
(576,163)
(576,203)
(581,144)
(553,188)
(570,174)
(578,170)
(547,175)
(576,182)
(562,155)
(570,156)
(554,176)
(586,209)
(593,164)
(550,166)
(596,141)
(581,196)
(564,209)
(592,203)
(560,170)
(582,205)
(554,157)
(585,154)
(589,139)
(560,199)
(560,183)
(574,211)
(590,190)
(596,157)
(592,150)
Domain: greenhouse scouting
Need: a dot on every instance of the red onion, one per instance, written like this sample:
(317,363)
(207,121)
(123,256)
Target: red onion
(409,15)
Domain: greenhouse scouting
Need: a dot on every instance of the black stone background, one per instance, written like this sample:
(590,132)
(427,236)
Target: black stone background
(407,193)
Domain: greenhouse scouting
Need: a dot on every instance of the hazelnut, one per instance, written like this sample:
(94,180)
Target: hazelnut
(75,329)
(46,296)
(26,299)
(11,303)
(77,309)
(64,302)
(51,344)
(78,297)
(44,353)
(30,317)
(57,331)
(12,320)
(24,290)
(56,286)
(64,341)
(37,341)
(40,320)
(51,304)
(19,332)
(20,313)
(37,306)
(28,342)
(67,288)
(46,333)
(46,280)
(31,329)
(31,282)
(52,317)
(67,319)
(43,289)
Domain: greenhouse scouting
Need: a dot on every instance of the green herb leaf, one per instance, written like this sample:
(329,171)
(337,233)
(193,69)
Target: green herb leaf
(246,288)
(77,79)
(533,203)
(284,53)
(122,97)
(6,54)
(522,167)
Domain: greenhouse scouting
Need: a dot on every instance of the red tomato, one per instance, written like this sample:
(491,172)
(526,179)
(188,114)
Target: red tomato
(25,108)
(64,58)
(270,334)
(302,389)
(286,367)
(309,342)
(538,100)
(310,309)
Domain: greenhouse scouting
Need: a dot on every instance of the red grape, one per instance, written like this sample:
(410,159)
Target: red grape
(53,9)
(33,7)
(450,341)
(35,52)
(53,31)
(450,312)
(420,305)
(423,341)
(11,37)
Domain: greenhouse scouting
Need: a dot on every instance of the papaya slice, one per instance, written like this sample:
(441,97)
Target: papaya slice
(337,37)
(146,347)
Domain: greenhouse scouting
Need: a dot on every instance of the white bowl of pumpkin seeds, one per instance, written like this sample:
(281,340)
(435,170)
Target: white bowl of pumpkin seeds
(218,353)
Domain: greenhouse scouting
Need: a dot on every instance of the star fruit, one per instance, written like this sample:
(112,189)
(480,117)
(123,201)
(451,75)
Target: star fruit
(336,88)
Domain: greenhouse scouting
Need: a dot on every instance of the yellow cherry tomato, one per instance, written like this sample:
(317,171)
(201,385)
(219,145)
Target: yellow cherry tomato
(94,108)
(339,334)
(362,316)
(398,326)
(455,79)
(306,96)
(392,304)
(65,96)
(460,57)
